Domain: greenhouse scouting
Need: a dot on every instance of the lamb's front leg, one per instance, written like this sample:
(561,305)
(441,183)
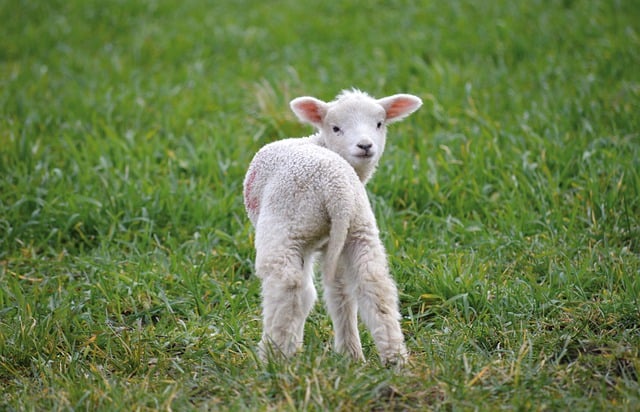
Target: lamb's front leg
(288,295)
(377,297)
(343,309)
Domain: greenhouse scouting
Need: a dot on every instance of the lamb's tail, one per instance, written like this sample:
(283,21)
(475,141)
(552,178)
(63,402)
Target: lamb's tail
(337,238)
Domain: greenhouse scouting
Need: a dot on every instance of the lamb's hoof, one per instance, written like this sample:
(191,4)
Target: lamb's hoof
(397,361)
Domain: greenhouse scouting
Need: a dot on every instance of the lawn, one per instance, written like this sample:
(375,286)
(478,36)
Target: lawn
(509,204)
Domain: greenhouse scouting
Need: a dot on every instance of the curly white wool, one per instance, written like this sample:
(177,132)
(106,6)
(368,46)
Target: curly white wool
(306,196)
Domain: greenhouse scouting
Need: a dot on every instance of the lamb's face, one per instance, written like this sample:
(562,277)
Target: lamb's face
(355,129)
(354,125)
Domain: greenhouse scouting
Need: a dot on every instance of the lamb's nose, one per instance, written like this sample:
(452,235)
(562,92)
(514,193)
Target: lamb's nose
(365,146)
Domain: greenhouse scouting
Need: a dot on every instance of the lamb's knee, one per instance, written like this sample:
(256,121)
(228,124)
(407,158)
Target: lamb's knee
(282,291)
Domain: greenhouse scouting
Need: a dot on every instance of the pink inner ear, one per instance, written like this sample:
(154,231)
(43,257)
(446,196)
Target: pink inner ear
(399,107)
(311,111)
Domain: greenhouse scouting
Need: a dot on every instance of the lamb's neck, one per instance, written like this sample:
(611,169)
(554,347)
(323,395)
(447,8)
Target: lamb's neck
(365,174)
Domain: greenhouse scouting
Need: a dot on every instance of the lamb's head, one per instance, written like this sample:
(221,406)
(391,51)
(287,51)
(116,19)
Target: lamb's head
(354,124)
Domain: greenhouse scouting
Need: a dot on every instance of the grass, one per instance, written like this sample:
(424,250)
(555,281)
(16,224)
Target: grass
(509,204)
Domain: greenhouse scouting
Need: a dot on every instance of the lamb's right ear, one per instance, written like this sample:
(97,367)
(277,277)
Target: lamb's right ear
(400,106)
(309,110)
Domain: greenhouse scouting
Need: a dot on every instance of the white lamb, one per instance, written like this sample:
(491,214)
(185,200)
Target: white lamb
(306,195)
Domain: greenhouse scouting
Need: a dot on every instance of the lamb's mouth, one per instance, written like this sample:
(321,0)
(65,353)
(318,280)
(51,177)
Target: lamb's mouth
(366,155)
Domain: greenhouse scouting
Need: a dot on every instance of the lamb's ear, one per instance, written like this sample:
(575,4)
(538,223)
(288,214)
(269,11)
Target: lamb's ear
(309,110)
(399,106)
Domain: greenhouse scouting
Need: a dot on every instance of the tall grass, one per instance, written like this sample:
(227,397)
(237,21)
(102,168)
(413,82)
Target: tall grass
(509,204)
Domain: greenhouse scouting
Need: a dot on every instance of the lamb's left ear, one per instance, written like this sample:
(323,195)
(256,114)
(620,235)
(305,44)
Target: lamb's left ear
(399,106)
(309,110)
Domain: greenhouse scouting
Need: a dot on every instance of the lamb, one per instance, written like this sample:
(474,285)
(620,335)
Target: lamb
(306,198)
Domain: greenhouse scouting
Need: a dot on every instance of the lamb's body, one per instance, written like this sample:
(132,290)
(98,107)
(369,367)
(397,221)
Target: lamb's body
(310,181)
(304,198)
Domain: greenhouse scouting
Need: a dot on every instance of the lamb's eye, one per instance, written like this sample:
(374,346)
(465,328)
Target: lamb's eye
(336,129)
(379,125)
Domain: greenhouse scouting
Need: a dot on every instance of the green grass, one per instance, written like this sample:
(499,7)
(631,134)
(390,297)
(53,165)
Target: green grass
(509,204)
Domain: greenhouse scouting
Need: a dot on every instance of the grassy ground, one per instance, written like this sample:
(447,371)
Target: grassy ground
(509,204)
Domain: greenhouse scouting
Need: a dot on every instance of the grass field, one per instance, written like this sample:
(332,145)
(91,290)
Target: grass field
(509,203)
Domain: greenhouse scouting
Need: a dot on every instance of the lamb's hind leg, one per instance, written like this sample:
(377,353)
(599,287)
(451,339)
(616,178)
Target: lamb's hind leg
(287,297)
(377,297)
(342,306)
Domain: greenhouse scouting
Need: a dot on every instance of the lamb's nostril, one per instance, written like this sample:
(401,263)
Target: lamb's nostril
(365,146)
